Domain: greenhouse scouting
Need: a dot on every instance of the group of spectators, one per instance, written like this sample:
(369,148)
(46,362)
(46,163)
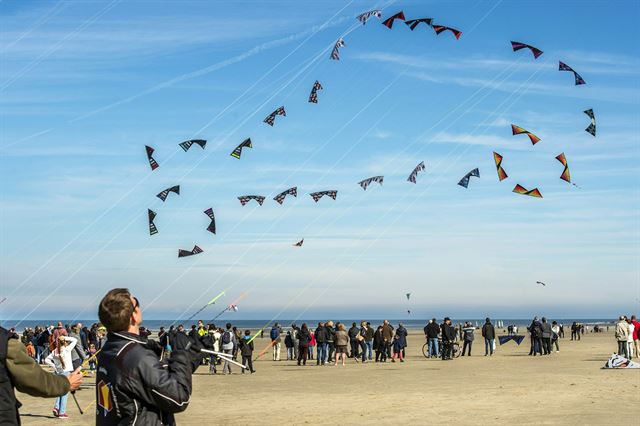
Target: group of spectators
(627,336)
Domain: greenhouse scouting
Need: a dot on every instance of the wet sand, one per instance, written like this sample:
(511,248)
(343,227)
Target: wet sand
(567,388)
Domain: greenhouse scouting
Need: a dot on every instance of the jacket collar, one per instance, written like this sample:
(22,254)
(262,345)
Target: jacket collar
(125,335)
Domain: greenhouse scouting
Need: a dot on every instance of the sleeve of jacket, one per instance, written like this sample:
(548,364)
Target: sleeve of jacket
(29,377)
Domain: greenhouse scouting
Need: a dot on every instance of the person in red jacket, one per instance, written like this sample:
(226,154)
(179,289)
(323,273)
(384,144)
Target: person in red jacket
(636,329)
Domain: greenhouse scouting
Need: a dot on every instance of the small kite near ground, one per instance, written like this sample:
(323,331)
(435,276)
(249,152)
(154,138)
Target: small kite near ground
(281,196)
(413,23)
(564,67)
(516,45)
(186,253)
(317,195)
(414,174)
(364,17)
(464,182)
(335,53)
(271,118)
(502,175)
(152,162)
(565,176)
(441,28)
(163,195)
(212,226)
(313,96)
(514,337)
(238,151)
(365,183)
(517,130)
(519,189)
(187,144)
(244,199)
(389,21)
(299,243)
(541,283)
(592,127)
(152,226)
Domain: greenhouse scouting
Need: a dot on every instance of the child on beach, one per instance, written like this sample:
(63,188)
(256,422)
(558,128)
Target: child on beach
(397,349)
(92,360)
(246,350)
(288,343)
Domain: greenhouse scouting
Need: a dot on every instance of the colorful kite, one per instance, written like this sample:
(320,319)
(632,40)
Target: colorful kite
(365,183)
(414,174)
(413,23)
(364,17)
(186,253)
(152,226)
(514,337)
(153,163)
(465,179)
(502,175)
(564,67)
(441,28)
(272,117)
(519,189)
(317,195)
(516,45)
(299,243)
(389,21)
(313,97)
(238,151)
(187,144)
(281,196)
(516,130)
(246,198)
(163,195)
(212,226)
(335,53)
(592,127)
(565,176)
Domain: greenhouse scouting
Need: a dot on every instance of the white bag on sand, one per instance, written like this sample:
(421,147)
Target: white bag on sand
(618,361)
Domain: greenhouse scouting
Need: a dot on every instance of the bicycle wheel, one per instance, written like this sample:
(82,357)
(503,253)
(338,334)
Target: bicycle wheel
(425,350)
(456,350)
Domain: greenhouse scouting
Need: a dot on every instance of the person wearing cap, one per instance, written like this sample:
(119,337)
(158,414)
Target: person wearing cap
(448,336)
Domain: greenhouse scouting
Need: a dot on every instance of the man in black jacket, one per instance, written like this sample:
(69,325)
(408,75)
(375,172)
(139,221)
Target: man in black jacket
(489,334)
(355,345)
(431,332)
(132,385)
(448,336)
(322,336)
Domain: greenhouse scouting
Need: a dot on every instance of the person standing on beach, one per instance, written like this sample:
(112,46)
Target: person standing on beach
(535,331)
(630,338)
(387,339)
(355,345)
(377,343)
(636,329)
(229,342)
(431,331)
(276,341)
(321,336)
(341,340)
(246,350)
(546,336)
(467,333)
(60,359)
(448,337)
(489,334)
(621,334)
(555,329)
(367,332)
(304,337)
(330,342)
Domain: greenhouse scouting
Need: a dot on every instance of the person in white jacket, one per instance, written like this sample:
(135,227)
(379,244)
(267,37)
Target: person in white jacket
(61,360)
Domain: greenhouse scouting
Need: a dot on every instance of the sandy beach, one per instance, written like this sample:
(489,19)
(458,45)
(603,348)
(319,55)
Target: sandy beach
(567,388)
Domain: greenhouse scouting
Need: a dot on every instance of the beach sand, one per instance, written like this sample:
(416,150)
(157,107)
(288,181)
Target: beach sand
(567,388)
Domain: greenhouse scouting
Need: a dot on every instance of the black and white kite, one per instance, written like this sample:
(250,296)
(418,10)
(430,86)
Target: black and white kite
(271,118)
(564,67)
(187,144)
(389,21)
(365,183)
(152,162)
(413,23)
(299,243)
(465,180)
(163,195)
(281,196)
(152,226)
(212,226)
(317,195)
(516,45)
(514,337)
(541,283)
(364,17)
(313,96)
(335,53)
(592,127)
(186,253)
(238,151)
(414,174)
(246,198)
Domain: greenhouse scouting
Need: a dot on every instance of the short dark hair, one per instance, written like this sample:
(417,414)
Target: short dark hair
(115,310)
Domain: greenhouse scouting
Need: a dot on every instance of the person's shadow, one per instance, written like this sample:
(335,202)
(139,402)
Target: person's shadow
(37,416)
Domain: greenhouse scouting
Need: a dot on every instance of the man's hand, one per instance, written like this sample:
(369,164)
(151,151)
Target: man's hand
(75,379)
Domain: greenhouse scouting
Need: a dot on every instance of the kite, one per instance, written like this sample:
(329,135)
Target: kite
(516,130)
(152,226)
(187,144)
(441,28)
(618,361)
(246,198)
(413,23)
(465,179)
(592,127)
(335,53)
(281,196)
(502,175)
(408,296)
(163,195)
(313,96)
(414,174)
(409,312)
(153,163)
(364,17)
(564,67)
(233,308)
(272,117)
(516,338)
(365,183)
(299,243)
(212,226)
(317,195)
(238,151)
(210,302)
(516,45)
(185,253)
(519,189)
(541,283)
(565,176)
(389,21)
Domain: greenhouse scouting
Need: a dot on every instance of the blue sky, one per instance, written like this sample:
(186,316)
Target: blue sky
(85,85)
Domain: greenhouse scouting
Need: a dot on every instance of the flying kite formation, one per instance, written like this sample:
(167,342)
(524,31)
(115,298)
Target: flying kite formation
(244,199)
(281,196)
(153,163)
(187,144)
(212,225)
(516,45)
(441,28)
(163,195)
(186,253)
(335,53)
(317,195)
(564,67)
(389,21)
(414,174)
(592,127)
(152,226)
(502,175)
(313,96)
(516,130)
(413,23)
(465,179)
(365,183)
(271,118)
(364,17)
(519,189)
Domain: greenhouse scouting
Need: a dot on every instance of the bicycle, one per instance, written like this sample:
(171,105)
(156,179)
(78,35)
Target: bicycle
(455,349)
